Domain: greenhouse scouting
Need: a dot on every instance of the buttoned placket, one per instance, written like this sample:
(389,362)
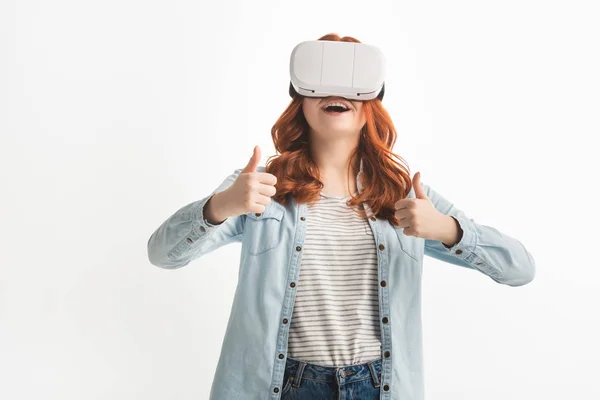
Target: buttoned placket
(386,333)
(300,232)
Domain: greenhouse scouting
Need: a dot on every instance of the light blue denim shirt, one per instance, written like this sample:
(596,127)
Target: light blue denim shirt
(254,350)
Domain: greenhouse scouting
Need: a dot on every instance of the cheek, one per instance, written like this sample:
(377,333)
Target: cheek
(309,109)
(362,116)
(308,113)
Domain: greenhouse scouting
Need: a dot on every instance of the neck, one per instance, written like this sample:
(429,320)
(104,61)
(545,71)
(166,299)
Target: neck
(332,157)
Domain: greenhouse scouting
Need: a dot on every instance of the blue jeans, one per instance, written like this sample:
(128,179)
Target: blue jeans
(304,381)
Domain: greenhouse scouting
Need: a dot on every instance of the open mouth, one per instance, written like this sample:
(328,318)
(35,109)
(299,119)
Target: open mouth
(335,109)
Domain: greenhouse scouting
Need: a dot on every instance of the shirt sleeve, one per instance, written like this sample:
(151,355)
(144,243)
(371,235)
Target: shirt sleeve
(186,235)
(484,248)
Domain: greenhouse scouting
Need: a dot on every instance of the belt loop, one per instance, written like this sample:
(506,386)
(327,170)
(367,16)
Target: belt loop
(374,374)
(299,371)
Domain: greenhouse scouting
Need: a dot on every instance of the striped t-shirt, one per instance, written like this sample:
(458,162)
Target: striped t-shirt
(335,320)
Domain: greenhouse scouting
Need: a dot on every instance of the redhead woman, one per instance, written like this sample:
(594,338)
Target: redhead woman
(333,234)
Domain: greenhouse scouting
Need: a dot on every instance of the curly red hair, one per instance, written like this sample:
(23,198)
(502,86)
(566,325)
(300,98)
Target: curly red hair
(384,180)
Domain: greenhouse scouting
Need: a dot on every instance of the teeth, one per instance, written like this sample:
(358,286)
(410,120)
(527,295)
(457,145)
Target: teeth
(337,104)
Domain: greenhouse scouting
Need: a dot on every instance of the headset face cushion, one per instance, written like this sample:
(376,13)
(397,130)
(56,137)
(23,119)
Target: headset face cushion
(293,92)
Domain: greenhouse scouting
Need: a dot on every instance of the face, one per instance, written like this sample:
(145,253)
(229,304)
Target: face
(330,124)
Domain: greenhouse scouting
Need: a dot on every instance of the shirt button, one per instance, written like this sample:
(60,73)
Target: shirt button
(298,248)
(202,229)
(385,320)
(381,247)
(258,214)
(276,390)
(386,387)
(383,283)
(285,320)
(373,219)
(281,356)
(302,218)
(387,354)
(293,284)
(459,251)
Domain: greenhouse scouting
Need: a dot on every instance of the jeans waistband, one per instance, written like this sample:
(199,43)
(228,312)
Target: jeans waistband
(343,374)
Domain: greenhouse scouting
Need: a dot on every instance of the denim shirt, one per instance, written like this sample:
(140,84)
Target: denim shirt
(254,349)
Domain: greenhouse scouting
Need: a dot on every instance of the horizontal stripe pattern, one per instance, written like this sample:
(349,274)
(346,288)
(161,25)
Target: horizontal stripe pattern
(335,321)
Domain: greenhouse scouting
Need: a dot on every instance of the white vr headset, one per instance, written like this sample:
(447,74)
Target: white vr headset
(321,68)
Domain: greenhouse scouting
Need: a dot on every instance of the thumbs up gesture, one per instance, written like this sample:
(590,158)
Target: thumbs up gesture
(252,190)
(419,217)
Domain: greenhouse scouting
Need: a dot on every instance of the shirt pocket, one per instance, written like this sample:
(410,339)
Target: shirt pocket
(263,230)
(413,246)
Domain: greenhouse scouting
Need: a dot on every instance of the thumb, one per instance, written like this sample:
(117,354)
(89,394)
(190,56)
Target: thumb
(419,191)
(254,160)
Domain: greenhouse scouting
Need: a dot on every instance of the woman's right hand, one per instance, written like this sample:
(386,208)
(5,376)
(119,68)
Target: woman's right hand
(251,191)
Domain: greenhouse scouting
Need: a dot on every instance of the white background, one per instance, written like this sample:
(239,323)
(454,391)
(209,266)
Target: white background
(114,114)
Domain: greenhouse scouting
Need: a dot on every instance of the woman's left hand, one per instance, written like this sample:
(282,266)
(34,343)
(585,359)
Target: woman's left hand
(418,216)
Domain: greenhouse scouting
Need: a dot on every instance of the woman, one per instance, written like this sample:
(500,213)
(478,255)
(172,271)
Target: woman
(333,234)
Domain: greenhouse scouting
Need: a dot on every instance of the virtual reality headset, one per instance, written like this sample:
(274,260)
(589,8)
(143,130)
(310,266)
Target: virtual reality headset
(322,68)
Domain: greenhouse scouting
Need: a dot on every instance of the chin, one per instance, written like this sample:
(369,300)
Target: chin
(332,131)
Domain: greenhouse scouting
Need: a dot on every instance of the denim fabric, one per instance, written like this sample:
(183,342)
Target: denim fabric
(253,354)
(306,381)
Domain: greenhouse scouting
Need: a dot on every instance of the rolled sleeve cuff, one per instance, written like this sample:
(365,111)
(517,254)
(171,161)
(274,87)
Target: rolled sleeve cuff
(199,223)
(467,243)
